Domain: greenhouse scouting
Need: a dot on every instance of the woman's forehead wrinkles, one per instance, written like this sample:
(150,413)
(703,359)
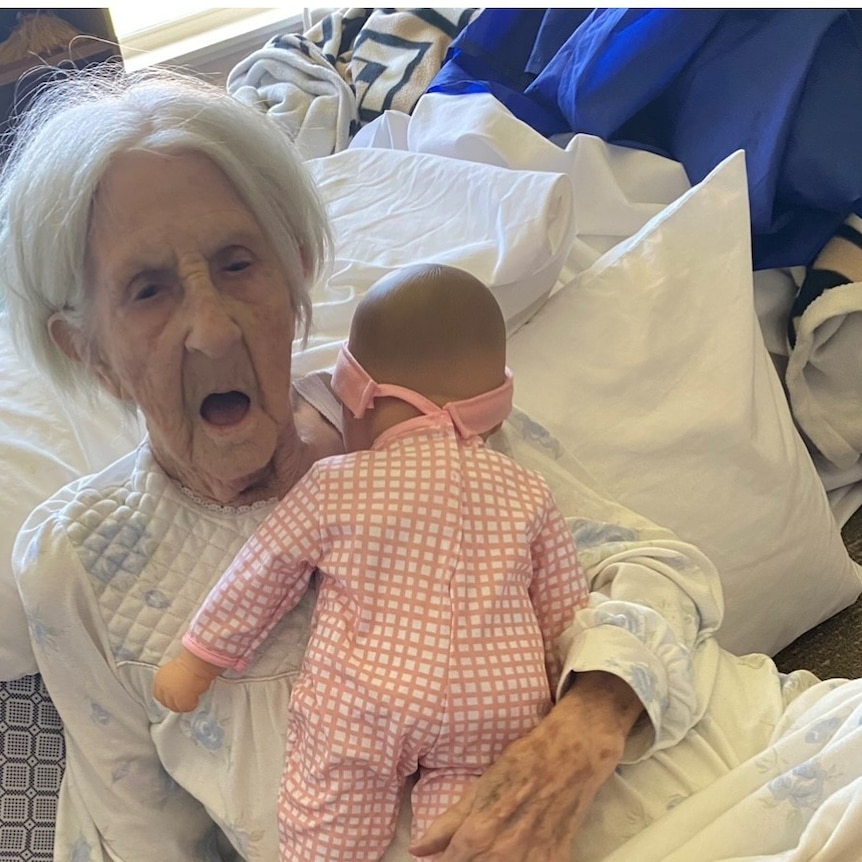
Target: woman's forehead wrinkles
(153,214)
(146,191)
(154,244)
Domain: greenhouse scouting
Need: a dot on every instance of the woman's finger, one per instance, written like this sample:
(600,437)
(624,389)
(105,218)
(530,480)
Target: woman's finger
(438,835)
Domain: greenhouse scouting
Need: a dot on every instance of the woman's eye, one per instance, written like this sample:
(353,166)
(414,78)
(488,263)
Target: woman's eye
(234,258)
(237,265)
(146,292)
(149,284)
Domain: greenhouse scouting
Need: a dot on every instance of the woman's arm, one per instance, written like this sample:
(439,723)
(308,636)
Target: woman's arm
(630,653)
(528,806)
(117,802)
(653,602)
(654,598)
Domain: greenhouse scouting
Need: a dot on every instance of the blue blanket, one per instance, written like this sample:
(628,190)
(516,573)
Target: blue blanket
(695,85)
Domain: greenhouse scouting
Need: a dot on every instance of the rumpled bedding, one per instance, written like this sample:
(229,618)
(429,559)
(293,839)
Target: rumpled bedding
(345,71)
(694,85)
(824,377)
(658,381)
(798,799)
(291,80)
(391,208)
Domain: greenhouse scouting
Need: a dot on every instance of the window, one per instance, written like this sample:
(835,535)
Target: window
(207,39)
(132,18)
(154,24)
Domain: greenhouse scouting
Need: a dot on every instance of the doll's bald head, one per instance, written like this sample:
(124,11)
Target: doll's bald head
(432,328)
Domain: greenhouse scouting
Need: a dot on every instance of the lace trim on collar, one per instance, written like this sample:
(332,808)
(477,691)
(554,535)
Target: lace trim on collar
(151,464)
(222,509)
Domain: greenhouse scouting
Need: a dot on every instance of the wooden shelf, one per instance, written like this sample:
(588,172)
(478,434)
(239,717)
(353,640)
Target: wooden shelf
(97,43)
(83,51)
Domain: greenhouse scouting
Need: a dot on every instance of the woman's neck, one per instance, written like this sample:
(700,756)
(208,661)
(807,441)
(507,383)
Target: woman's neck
(309,439)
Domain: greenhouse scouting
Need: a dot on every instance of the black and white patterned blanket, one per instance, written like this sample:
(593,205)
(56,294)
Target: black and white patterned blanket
(32,757)
(346,70)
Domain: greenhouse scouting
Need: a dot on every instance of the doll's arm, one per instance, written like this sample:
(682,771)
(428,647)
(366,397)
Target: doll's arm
(266,579)
(180,683)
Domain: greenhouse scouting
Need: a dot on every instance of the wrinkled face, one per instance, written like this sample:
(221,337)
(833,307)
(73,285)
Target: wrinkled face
(193,320)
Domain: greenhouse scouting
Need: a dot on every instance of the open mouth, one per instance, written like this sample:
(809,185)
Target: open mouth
(225,408)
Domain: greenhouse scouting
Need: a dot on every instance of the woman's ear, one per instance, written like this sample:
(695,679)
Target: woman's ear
(63,334)
(305,259)
(70,341)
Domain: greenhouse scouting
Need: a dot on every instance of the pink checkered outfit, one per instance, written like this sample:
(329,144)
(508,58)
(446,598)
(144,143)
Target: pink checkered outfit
(445,575)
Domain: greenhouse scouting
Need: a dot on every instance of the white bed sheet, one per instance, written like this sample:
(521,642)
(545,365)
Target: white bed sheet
(797,800)
(735,479)
(46,441)
(528,217)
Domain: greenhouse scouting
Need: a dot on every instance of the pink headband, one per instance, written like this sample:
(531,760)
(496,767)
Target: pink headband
(472,416)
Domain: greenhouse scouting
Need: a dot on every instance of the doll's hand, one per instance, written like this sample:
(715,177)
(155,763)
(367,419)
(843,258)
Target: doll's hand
(179,684)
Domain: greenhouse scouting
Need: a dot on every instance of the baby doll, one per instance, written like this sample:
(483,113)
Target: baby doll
(445,575)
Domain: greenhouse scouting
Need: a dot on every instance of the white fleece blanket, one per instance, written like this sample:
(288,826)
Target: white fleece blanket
(293,82)
(824,374)
(345,71)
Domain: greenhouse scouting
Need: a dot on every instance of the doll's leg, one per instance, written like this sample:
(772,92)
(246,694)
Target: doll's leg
(435,792)
(340,789)
(351,818)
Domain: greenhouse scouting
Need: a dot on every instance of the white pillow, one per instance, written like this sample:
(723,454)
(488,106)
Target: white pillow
(650,367)
(45,443)
(510,228)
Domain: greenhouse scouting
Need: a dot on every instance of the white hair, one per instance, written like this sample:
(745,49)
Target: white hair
(59,154)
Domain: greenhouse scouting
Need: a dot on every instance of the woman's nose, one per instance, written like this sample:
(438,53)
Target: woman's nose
(211,328)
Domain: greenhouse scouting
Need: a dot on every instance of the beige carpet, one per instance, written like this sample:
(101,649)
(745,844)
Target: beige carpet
(834,648)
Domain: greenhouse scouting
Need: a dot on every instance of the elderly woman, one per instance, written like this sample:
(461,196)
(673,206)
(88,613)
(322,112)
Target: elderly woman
(159,243)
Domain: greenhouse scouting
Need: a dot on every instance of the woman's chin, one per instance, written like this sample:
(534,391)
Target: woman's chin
(229,463)
(237,456)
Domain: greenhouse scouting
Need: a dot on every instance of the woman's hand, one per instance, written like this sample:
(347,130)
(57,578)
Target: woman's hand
(528,806)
